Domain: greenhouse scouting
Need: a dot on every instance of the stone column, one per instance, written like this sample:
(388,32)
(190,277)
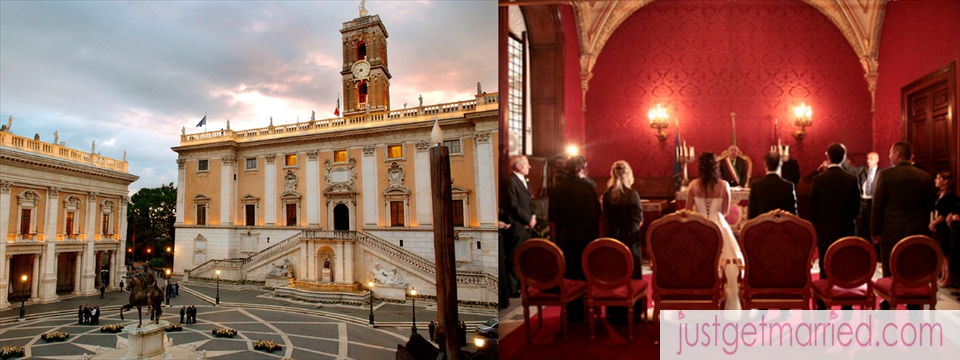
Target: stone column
(486,175)
(5,188)
(50,215)
(181,192)
(34,278)
(370,194)
(338,277)
(421,174)
(227,185)
(309,270)
(270,191)
(4,269)
(348,262)
(88,277)
(304,260)
(122,251)
(46,289)
(313,189)
(78,269)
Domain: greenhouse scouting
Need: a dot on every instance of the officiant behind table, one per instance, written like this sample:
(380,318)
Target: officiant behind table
(735,167)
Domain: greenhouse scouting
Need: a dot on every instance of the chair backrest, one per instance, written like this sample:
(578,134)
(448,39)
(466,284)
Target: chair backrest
(778,250)
(916,261)
(539,263)
(686,251)
(607,263)
(850,262)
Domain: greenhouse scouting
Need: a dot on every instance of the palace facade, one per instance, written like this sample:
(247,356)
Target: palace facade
(342,200)
(63,220)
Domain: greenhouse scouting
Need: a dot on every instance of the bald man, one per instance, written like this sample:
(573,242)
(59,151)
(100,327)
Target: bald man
(867,176)
(733,169)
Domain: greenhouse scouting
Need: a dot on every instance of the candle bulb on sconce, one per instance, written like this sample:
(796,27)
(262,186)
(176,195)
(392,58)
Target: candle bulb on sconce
(804,118)
(659,121)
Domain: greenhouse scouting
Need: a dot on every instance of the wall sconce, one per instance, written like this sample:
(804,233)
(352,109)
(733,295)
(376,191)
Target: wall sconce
(658,120)
(804,118)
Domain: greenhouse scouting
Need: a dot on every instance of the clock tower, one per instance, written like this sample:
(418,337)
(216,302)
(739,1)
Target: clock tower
(366,77)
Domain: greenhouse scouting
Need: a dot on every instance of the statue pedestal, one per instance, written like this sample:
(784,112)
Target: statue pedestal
(274,282)
(389,292)
(326,275)
(145,342)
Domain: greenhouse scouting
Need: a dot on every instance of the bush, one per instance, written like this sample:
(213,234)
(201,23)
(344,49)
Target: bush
(266,345)
(114,328)
(7,352)
(224,332)
(54,336)
(173,327)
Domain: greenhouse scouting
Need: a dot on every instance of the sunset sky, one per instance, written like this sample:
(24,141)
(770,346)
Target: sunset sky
(130,75)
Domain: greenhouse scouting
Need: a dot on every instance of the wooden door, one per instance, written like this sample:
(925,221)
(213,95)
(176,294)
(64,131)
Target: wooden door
(929,119)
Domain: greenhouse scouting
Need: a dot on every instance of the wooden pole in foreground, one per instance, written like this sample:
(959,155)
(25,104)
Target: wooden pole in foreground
(440,183)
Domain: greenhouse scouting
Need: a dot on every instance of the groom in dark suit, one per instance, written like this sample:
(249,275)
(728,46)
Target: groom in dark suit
(902,202)
(520,214)
(834,203)
(772,192)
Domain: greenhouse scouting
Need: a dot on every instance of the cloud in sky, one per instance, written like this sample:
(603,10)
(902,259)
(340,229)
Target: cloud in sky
(129,75)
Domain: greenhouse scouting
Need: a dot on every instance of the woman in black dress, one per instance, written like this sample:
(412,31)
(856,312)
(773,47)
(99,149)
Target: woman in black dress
(941,230)
(621,206)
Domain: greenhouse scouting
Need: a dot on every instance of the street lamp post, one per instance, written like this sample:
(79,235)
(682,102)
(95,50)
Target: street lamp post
(23,311)
(218,287)
(371,301)
(413,295)
(166,288)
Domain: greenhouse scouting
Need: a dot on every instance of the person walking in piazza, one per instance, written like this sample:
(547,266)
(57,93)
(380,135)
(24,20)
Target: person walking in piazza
(431,328)
(103,290)
(183,311)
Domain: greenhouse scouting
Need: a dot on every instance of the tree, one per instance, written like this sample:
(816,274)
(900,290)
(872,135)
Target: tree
(150,218)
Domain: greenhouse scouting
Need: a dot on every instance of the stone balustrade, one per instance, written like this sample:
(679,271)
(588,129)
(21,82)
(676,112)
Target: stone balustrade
(56,151)
(351,122)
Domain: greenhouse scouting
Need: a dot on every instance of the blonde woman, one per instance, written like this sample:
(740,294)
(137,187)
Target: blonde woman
(621,206)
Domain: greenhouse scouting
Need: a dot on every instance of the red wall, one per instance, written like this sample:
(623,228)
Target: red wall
(573,108)
(909,49)
(705,59)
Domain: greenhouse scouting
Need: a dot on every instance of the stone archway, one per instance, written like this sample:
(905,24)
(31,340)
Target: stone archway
(326,261)
(341,217)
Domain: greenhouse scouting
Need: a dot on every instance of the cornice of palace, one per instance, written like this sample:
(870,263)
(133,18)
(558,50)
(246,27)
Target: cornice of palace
(468,121)
(15,158)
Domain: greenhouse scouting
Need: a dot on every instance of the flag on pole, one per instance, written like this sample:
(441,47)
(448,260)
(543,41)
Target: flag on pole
(677,176)
(336,111)
(202,121)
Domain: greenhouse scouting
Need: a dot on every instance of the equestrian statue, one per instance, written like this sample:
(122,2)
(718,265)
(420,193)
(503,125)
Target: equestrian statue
(144,291)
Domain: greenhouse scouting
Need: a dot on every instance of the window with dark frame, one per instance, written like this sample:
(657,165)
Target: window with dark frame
(69,223)
(252,164)
(452,145)
(203,165)
(291,214)
(106,224)
(201,214)
(396,213)
(251,214)
(516,84)
(25,221)
(458,213)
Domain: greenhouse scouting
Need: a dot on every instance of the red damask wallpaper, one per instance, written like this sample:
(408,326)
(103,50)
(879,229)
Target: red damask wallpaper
(573,109)
(703,60)
(917,38)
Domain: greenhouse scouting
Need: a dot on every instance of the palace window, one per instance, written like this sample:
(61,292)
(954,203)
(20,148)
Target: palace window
(290,160)
(203,165)
(106,208)
(250,214)
(396,213)
(395,152)
(71,205)
(461,206)
(28,201)
(453,146)
(340,156)
(106,225)
(458,213)
(516,107)
(201,214)
(69,224)
(291,214)
(251,164)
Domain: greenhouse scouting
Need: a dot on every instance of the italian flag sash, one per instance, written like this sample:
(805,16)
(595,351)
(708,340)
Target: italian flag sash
(733,171)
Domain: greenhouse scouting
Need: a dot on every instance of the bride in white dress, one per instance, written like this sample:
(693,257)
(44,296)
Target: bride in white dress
(709,196)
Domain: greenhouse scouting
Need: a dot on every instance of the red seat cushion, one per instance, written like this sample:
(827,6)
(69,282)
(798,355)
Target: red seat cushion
(619,293)
(840,293)
(883,286)
(785,293)
(572,287)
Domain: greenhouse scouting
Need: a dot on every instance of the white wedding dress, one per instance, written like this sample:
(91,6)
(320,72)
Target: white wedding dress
(711,209)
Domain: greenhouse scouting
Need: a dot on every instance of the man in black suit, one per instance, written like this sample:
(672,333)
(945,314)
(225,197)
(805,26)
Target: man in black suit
(834,204)
(739,175)
(902,202)
(575,210)
(790,170)
(520,214)
(772,192)
(867,177)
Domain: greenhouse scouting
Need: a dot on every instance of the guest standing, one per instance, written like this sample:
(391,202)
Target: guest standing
(834,204)
(772,192)
(621,205)
(946,199)
(867,176)
(901,204)
(183,311)
(520,213)
(790,169)
(431,328)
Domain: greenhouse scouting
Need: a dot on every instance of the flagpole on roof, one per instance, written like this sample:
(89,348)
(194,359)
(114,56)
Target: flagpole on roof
(204,121)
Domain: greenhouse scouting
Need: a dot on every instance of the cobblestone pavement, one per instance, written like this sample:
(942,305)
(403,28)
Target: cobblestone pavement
(304,330)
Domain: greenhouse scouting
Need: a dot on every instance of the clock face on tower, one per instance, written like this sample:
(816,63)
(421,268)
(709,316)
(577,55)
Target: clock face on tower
(361,69)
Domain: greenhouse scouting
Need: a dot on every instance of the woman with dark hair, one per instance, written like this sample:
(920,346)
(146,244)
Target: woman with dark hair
(946,199)
(709,196)
(621,205)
